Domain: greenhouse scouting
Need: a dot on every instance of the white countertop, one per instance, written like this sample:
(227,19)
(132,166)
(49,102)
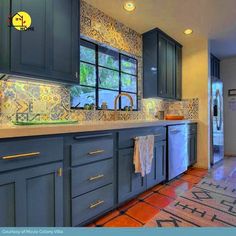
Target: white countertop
(12,131)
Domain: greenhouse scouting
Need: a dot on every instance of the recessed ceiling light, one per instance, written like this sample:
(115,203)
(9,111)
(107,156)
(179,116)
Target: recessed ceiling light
(129,6)
(188,31)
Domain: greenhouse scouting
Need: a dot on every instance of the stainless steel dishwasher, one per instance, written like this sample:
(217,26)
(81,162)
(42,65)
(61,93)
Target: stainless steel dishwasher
(177,150)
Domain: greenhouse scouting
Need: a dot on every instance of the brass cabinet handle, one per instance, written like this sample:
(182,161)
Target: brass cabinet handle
(59,172)
(96,204)
(96,152)
(21,155)
(96,177)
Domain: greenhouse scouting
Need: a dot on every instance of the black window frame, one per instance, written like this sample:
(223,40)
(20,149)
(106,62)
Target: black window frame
(96,47)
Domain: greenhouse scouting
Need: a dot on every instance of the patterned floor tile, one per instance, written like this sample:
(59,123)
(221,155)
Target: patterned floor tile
(142,212)
(123,221)
(158,200)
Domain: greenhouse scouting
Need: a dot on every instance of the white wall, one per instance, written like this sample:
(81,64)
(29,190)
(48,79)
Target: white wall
(228,75)
(196,83)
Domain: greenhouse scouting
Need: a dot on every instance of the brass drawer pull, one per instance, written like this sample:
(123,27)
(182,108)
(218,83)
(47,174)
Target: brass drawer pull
(21,155)
(96,152)
(59,172)
(96,204)
(96,177)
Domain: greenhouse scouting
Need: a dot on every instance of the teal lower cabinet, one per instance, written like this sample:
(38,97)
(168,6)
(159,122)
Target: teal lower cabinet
(192,149)
(32,197)
(92,176)
(92,204)
(192,144)
(158,172)
(129,183)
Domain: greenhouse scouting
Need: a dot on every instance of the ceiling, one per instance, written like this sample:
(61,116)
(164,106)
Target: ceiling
(211,19)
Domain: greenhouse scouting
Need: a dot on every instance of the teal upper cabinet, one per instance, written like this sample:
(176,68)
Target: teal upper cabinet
(162,61)
(4,36)
(215,67)
(50,49)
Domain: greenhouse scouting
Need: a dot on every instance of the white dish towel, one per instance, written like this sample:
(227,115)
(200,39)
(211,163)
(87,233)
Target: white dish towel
(143,154)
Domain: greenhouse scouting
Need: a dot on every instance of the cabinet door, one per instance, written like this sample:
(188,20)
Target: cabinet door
(192,149)
(32,197)
(51,49)
(158,173)
(129,183)
(4,36)
(178,76)
(170,73)
(162,80)
(150,61)
(65,40)
(8,206)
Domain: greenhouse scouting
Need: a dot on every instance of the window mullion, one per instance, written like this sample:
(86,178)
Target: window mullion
(120,80)
(97,78)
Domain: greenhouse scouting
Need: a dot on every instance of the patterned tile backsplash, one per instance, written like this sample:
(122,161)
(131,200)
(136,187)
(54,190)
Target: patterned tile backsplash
(28,100)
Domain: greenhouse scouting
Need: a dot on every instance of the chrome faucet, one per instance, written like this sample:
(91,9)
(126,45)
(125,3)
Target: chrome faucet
(116,100)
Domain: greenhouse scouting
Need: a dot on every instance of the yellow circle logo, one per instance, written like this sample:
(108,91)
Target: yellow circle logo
(21,20)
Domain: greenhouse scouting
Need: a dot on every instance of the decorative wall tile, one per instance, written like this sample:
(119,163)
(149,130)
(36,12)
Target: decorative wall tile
(29,100)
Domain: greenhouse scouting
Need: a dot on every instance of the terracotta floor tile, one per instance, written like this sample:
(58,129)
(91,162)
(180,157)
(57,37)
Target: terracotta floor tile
(198,172)
(142,212)
(123,221)
(158,200)
(127,205)
(157,187)
(191,178)
(145,194)
(107,217)
(180,182)
(169,191)
(91,225)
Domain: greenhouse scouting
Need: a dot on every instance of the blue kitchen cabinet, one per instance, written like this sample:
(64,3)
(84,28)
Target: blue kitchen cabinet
(162,65)
(130,183)
(4,36)
(51,49)
(158,172)
(192,144)
(32,197)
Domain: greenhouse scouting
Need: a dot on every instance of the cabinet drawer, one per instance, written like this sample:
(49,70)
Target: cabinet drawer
(91,149)
(91,204)
(192,128)
(89,177)
(29,152)
(126,137)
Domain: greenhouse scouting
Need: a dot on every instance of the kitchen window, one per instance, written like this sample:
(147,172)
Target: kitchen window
(104,73)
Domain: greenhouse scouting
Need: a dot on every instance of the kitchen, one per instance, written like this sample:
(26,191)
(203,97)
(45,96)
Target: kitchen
(83,96)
